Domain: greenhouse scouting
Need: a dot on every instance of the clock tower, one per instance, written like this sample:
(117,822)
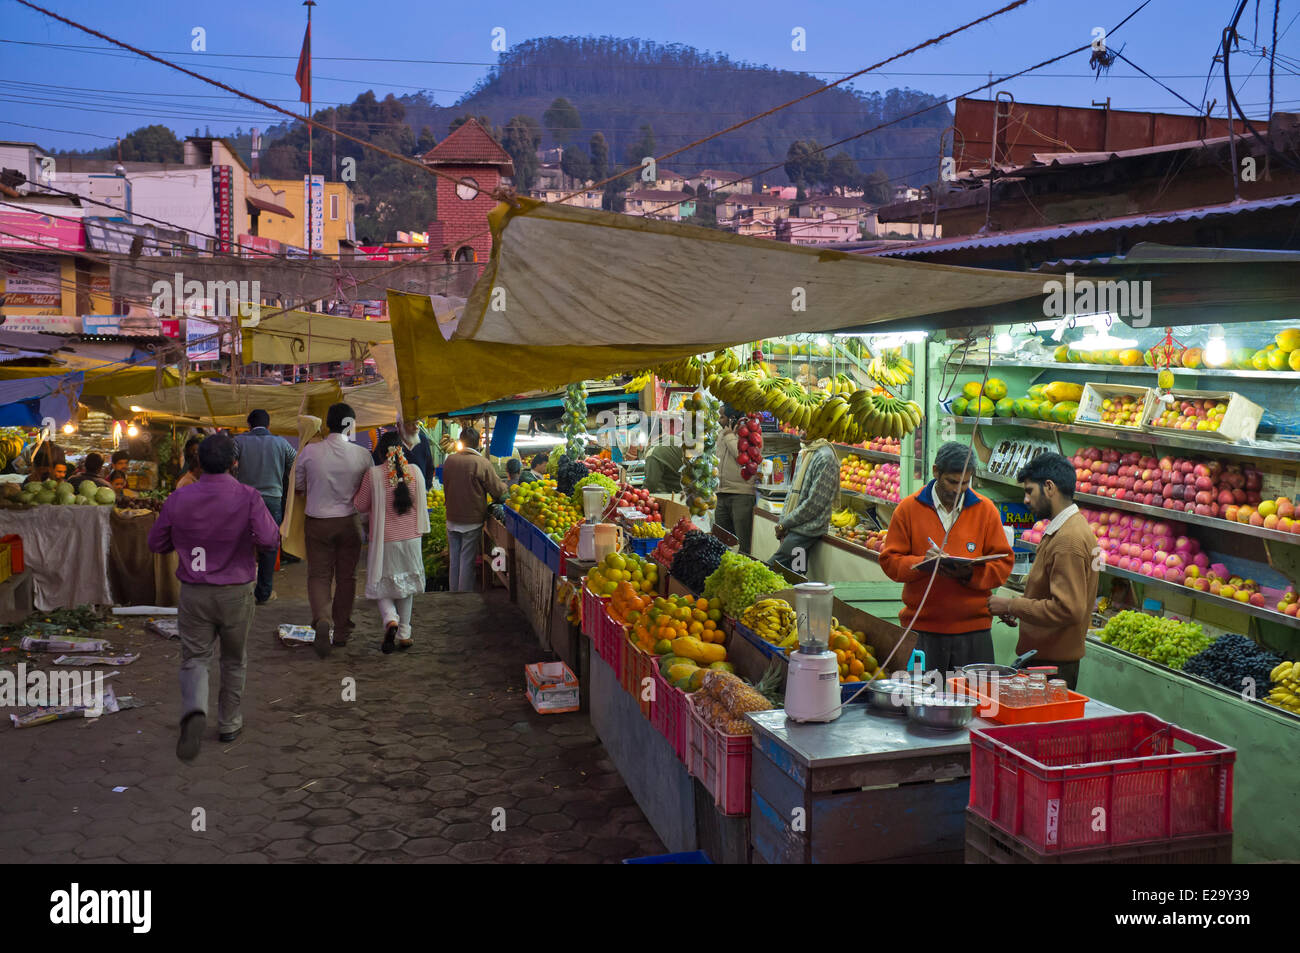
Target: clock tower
(477,160)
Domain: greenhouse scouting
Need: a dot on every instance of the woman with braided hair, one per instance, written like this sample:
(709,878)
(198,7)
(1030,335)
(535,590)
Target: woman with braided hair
(393,494)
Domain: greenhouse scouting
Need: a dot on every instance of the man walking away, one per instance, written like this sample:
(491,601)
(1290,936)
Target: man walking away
(1061,590)
(952,624)
(417,448)
(806,516)
(329,473)
(216,527)
(467,480)
(265,461)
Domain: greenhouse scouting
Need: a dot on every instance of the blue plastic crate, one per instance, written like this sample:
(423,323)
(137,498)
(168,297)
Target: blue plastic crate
(642,546)
(756,640)
(687,857)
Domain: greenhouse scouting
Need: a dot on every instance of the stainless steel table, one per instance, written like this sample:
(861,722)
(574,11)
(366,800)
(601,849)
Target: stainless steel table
(865,788)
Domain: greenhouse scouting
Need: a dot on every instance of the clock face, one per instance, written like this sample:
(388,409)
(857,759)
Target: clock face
(466,189)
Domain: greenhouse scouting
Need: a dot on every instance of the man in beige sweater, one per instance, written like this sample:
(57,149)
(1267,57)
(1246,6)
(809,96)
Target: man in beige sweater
(1061,591)
(468,479)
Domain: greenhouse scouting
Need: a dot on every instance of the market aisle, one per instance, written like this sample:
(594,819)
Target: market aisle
(438,737)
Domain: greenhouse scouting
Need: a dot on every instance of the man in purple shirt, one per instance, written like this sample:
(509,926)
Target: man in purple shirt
(216,527)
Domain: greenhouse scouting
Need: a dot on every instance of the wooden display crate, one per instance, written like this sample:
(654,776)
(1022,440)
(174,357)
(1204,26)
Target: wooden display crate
(1238,425)
(1094,394)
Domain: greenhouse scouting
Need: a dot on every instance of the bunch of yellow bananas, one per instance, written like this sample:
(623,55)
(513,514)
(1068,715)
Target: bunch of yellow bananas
(879,415)
(1286,687)
(773,620)
(844,518)
(890,367)
(644,530)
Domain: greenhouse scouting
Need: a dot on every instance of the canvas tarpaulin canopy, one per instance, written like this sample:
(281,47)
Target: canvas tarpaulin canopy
(561,275)
(303,337)
(228,405)
(438,376)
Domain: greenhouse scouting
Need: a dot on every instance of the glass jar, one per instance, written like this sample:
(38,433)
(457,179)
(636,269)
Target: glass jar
(1017,693)
(1057,690)
(1037,690)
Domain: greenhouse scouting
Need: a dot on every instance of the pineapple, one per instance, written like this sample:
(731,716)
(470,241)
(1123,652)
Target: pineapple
(738,726)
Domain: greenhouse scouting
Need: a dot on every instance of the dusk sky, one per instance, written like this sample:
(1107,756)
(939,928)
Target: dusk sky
(61,97)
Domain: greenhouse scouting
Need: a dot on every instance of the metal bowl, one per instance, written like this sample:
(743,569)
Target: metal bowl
(891,695)
(945,711)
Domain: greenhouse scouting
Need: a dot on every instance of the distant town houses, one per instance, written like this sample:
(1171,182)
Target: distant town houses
(660,203)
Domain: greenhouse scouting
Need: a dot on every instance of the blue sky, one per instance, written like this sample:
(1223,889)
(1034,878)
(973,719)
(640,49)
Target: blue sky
(66,98)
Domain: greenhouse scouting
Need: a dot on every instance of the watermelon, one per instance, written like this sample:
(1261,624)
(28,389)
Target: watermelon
(87,488)
(45,496)
(105,496)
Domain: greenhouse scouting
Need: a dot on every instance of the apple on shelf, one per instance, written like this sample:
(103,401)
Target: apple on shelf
(1191,415)
(1122,410)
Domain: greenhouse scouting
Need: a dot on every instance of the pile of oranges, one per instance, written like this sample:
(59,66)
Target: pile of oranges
(855,660)
(628,601)
(673,617)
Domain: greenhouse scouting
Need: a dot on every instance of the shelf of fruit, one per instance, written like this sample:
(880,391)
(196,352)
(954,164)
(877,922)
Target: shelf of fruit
(1221,495)
(869,541)
(1261,611)
(1222,663)
(877,450)
(1268,449)
(880,482)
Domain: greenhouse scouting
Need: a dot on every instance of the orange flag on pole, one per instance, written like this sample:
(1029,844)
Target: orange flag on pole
(303,75)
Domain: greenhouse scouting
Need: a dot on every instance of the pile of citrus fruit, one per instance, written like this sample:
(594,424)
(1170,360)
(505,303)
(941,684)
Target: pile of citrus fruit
(855,660)
(669,618)
(640,574)
(545,507)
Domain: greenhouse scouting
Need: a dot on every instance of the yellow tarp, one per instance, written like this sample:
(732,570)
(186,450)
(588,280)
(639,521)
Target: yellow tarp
(437,376)
(109,380)
(303,337)
(562,275)
(225,405)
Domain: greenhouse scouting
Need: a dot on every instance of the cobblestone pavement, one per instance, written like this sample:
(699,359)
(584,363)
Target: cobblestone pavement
(440,742)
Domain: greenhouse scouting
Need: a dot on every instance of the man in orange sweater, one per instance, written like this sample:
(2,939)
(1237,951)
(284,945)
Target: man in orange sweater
(953,625)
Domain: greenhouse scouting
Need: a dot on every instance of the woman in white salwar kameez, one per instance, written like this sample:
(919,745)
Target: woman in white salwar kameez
(393,494)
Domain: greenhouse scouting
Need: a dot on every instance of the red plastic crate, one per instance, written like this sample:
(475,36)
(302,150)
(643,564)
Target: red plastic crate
(643,667)
(676,716)
(1099,782)
(593,612)
(722,764)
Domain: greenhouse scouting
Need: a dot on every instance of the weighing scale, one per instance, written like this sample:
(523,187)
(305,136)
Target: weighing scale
(812,688)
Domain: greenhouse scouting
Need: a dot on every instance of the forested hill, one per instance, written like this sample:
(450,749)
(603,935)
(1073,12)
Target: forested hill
(620,85)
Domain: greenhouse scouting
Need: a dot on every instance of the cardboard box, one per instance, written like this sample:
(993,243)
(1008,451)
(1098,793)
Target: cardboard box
(552,687)
(1239,423)
(1093,395)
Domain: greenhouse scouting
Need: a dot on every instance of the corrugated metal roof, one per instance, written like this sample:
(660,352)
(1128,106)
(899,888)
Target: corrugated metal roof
(1153,253)
(1029,236)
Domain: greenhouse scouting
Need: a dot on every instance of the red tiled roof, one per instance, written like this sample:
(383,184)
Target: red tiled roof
(470,144)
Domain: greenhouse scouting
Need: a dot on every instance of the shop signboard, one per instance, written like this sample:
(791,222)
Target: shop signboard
(35,282)
(313,226)
(201,340)
(120,325)
(117,237)
(43,323)
(223,208)
(36,231)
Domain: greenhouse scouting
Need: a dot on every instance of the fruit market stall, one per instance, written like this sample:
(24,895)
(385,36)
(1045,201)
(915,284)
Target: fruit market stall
(65,548)
(1185,445)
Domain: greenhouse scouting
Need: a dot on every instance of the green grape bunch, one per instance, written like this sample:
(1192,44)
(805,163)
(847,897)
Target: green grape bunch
(739,582)
(1157,638)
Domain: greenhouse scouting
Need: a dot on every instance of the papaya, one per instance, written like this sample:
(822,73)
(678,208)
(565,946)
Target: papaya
(723,667)
(1061,391)
(681,670)
(703,652)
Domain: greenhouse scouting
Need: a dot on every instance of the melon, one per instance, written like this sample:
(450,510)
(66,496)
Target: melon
(45,496)
(105,496)
(959,406)
(82,500)
(51,484)
(64,499)
(87,488)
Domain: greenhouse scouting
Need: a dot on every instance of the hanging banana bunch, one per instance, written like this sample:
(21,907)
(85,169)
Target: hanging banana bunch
(890,367)
(640,381)
(884,416)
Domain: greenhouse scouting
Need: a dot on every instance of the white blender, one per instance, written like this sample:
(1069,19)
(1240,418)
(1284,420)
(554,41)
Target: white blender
(593,508)
(812,688)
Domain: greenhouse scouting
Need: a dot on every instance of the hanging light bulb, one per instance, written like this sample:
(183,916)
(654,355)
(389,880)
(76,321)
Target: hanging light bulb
(69,427)
(1004,343)
(132,430)
(1216,350)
